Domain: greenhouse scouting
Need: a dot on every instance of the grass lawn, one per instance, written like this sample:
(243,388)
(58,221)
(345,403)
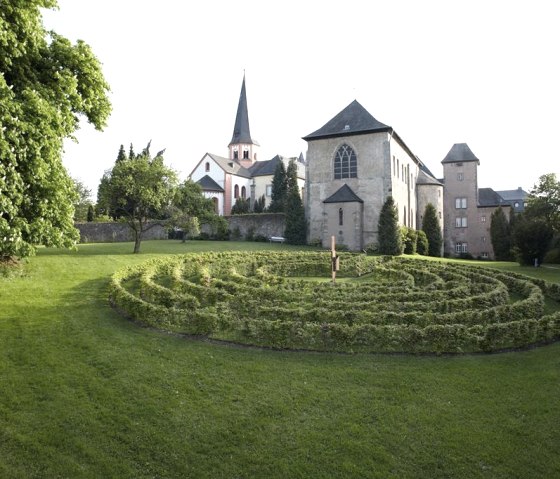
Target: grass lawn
(86,394)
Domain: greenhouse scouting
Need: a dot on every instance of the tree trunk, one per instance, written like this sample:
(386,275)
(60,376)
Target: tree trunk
(137,239)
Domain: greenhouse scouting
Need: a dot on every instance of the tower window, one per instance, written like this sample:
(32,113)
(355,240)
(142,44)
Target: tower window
(460,203)
(245,154)
(345,163)
(235,155)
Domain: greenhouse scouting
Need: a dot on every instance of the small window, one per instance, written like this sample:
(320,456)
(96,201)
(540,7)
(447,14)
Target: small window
(461,222)
(483,239)
(268,190)
(460,176)
(245,154)
(207,166)
(484,255)
(516,204)
(216,205)
(236,191)
(461,248)
(483,219)
(460,203)
(235,155)
(340,217)
(243,192)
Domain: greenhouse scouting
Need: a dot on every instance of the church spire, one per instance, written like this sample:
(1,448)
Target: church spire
(241,130)
(242,146)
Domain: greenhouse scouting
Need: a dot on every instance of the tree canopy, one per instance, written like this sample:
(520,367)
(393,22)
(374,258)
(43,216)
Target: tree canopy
(431,226)
(295,230)
(500,235)
(139,190)
(389,236)
(279,189)
(46,85)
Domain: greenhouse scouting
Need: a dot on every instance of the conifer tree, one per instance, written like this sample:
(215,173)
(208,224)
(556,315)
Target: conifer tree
(389,232)
(279,189)
(122,154)
(500,235)
(430,226)
(422,244)
(295,230)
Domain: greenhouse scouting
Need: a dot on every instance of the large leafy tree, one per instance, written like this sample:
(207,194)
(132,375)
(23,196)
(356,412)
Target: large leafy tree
(389,232)
(431,226)
(535,228)
(544,201)
(295,230)
(500,235)
(46,85)
(139,191)
(82,202)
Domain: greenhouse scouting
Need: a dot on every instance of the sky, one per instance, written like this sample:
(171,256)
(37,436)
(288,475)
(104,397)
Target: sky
(483,73)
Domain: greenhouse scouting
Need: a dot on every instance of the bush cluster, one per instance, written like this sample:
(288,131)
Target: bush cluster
(378,304)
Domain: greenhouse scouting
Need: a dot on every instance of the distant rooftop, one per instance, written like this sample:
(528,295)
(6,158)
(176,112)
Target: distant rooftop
(460,152)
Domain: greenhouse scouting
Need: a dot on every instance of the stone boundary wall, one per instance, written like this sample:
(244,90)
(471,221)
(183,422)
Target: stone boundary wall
(262,224)
(115,232)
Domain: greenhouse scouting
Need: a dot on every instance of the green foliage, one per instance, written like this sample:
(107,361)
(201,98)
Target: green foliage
(259,205)
(139,190)
(90,213)
(242,206)
(431,226)
(422,244)
(500,234)
(295,230)
(190,208)
(279,189)
(544,201)
(46,85)
(531,236)
(82,201)
(389,234)
(397,305)
(410,239)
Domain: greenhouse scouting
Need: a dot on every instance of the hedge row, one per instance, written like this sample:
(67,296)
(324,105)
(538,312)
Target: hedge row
(384,305)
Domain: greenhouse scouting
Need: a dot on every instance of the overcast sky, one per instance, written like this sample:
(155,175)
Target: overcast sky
(439,72)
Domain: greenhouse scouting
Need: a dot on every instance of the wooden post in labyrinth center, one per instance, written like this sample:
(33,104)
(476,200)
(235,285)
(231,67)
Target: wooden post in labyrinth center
(335,263)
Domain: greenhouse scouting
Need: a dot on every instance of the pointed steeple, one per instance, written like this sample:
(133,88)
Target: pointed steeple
(241,130)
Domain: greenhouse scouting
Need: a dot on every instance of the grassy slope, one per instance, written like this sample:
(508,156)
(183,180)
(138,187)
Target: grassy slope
(84,393)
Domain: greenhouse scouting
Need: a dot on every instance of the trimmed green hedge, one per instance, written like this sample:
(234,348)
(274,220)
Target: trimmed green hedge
(379,304)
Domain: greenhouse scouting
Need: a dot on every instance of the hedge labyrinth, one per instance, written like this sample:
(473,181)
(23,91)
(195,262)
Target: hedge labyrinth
(378,304)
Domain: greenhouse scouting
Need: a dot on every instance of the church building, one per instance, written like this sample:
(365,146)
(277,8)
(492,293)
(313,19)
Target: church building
(240,174)
(354,163)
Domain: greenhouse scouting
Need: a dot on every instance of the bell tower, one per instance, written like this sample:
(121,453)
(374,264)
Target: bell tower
(242,148)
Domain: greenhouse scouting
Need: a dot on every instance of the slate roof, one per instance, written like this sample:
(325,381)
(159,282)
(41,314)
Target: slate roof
(424,178)
(512,195)
(241,130)
(264,168)
(460,152)
(230,166)
(344,195)
(353,120)
(208,184)
(488,197)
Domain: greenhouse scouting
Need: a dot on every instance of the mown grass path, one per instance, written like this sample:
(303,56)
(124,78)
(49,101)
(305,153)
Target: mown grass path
(85,393)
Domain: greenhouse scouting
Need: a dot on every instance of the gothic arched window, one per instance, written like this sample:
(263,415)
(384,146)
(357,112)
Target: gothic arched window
(345,163)
(236,191)
(243,192)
